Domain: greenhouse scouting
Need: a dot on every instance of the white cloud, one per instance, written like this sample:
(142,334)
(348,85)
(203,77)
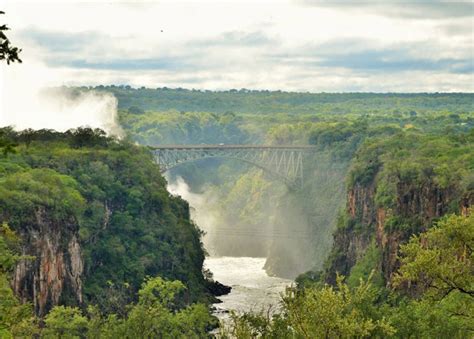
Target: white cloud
(254,44)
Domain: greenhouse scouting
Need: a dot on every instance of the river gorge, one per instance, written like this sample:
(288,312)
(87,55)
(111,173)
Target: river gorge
(253,289)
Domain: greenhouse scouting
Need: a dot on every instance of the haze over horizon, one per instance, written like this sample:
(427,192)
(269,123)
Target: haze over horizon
(314,46)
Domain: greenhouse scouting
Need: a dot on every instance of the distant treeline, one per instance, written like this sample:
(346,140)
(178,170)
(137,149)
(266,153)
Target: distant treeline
(264,101)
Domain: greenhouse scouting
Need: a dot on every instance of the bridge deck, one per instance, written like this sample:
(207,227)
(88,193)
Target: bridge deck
(207,146)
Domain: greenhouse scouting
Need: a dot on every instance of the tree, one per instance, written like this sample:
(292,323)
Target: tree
(65,322)
(7,51)
(16,319)
(438,264)
(341,312)
(441,260)
(320,312)
(157,313)
(6,144)
(430,319)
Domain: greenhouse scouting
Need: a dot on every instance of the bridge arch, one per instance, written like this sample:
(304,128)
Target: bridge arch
(283,162)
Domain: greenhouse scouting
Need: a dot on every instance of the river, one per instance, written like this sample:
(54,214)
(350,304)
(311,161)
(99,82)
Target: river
(252,289)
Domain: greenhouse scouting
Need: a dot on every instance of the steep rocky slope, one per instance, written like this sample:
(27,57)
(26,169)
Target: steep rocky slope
(395,191)
(95,220)
(56,272)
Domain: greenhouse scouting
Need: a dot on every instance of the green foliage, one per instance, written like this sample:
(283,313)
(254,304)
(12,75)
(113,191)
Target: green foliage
(7,51)
(437,267)
(394,105)
(155,315)
(258,325)
(426,318)
(369,264)
(386,194)
(337,313)
(412,158)
(135,110)
(23,193)
(441,261)
(412,178)
(8,241)
(157,291)
(344,221)
(160,311)
(129,225)
(6,144)
(16,318)
(173,127)
(320,312)
(365,165)
(309,279)
(64,322)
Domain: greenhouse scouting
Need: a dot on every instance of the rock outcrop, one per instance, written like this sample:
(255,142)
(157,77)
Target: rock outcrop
(415,208)
(52,275)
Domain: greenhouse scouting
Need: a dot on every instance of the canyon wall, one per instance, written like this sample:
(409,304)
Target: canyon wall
(53,274)
(364,221)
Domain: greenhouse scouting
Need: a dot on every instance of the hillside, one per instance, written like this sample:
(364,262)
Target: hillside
(95,215)
(399,187)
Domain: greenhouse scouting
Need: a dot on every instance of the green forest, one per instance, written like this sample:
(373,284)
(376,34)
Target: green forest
(385,211)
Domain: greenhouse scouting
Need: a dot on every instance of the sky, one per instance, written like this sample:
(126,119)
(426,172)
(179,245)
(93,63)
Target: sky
(293,45)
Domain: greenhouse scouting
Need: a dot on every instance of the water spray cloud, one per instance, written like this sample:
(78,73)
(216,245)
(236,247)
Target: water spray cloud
(24,102)
(199,210)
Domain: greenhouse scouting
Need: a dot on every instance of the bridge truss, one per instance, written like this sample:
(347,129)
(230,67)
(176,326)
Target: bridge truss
(284,162)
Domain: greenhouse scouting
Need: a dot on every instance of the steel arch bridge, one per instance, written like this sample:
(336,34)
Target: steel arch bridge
(284,162)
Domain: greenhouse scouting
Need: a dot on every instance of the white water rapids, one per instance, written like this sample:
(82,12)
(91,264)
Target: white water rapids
(252,289)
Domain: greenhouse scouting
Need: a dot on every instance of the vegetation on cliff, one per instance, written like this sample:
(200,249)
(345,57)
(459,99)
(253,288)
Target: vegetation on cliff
(160,311)
(100,206)
(399,186)
(16,318)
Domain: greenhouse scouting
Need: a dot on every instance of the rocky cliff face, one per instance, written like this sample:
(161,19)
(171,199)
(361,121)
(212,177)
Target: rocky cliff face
(416,207)
(95,215)
(53,276)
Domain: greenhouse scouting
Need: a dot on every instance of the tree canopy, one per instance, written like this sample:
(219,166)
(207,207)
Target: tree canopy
(8,52)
